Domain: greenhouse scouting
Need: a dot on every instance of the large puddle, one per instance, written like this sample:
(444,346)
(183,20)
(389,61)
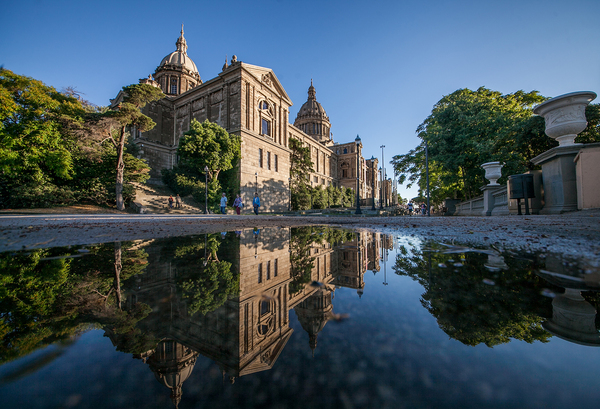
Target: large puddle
(310,317)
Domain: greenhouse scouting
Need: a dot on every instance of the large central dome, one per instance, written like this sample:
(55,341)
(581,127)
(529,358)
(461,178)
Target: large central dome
(177,73)
(179,57)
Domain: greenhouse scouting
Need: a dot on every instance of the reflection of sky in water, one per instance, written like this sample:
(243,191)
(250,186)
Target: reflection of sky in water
(390,352)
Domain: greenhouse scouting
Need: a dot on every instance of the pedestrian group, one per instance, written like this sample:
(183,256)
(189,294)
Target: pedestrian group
(238,204)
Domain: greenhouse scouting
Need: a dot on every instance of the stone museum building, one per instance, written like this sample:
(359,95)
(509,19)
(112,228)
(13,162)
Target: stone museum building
(249,101)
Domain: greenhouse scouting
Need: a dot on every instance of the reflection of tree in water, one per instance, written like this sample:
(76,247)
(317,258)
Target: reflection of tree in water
(474,304)
(205,285)
(301,241)
(47,295)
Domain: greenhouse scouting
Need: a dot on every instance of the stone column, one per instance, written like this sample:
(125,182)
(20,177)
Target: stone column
(493,172)
(560,178)
(565,118)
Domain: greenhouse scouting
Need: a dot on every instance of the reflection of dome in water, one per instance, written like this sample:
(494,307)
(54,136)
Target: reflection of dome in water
(313,313)
(172,363)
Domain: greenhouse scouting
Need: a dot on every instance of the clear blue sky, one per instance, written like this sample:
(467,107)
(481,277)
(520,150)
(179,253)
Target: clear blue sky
(378,66)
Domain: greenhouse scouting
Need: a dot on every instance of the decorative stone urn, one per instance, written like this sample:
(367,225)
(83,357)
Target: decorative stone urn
(493,172)
(565,115)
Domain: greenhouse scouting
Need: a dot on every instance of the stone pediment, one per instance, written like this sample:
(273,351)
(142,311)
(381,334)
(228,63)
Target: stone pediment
(267,356)
(268,78)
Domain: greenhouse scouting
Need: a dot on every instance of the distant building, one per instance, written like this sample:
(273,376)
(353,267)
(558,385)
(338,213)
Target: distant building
(249,101)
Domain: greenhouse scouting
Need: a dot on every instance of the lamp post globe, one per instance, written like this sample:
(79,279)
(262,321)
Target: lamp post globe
(357,141)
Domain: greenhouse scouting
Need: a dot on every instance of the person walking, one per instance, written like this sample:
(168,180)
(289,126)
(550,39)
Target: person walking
(223,203)
(410,208)
(177,201)
(256,203)
(423,209)
(237,203)
(170,202)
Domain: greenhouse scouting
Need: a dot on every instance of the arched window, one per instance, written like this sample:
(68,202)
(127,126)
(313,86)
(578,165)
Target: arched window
(345,150)
(173,85)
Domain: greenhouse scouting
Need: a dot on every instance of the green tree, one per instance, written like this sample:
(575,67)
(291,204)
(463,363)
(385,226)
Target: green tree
(206,145)
(35,153)
(301,167)
(591,134)
(112,126)
(468,128)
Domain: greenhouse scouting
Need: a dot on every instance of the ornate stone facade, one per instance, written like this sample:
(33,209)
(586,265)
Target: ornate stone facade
(249,101)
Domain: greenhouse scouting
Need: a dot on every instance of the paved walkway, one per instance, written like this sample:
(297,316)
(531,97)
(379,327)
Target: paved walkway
(576,234)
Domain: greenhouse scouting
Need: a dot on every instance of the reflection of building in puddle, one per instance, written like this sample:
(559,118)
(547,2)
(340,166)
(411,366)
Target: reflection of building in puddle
(248,332)
(573,318)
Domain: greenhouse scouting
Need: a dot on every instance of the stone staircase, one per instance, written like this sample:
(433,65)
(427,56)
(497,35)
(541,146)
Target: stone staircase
(155,199)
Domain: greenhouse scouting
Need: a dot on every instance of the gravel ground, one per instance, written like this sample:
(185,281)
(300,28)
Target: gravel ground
(574,234)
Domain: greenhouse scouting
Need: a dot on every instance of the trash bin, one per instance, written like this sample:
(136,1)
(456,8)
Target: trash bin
(521,187)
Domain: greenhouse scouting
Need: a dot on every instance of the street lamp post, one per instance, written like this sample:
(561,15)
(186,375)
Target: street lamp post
(381,190)
(382,177)
(256,182)
(205,189)
(427,173)
(357,140)
(311,192)
(290,187)
(373,169)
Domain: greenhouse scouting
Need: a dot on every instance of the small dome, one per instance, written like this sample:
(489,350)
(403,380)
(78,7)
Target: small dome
(179,57)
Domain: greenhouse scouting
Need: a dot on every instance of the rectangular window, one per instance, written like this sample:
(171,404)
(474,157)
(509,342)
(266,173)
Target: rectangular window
(276,164)
(174,86)
(260,160)
(269,270)
(275,268)
(269,160)
(260,273)
(265,127)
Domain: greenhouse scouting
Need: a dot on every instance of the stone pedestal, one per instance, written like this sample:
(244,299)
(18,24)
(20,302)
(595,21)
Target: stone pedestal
(587,163)
(560,179)
(488,199)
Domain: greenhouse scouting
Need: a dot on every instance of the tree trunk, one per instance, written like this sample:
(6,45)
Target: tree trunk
(120,171)
(118,268)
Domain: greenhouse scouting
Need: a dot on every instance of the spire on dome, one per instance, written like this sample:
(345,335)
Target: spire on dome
(181,43)
(311,91)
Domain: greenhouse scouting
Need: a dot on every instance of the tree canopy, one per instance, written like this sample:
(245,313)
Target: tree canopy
(208,144)
(300,168)
(50,150)
(468,128)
